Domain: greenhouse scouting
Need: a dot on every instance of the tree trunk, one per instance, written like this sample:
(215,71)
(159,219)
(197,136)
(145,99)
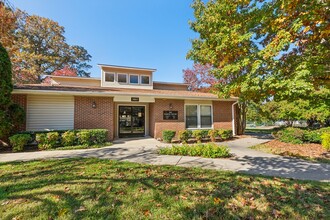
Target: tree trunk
(241,117)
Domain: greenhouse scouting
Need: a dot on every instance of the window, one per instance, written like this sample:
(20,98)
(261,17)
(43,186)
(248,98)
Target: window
(191,116)
(109,77)
(134,79)
(206,116)
(122,78)
(198,116)
(145,80)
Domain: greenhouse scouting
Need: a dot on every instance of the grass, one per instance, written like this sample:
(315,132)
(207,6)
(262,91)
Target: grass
(268,149)
(105,189)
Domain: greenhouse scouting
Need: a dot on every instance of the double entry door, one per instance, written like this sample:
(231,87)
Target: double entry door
(131,121)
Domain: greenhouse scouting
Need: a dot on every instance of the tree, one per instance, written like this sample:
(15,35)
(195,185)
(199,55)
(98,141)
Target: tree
(199,78)
(10,114)
(262,50)
(290,111)
(7,25)
(43,49)
(66,71)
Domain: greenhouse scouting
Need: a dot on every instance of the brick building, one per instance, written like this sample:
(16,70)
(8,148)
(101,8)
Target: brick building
(125,100)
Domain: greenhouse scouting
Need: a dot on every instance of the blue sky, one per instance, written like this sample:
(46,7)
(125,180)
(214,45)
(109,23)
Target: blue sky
(140,33)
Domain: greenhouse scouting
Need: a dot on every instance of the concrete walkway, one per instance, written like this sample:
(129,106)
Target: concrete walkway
(145,151)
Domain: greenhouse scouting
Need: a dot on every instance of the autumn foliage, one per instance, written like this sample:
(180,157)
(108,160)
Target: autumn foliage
(37,46)
(199,78)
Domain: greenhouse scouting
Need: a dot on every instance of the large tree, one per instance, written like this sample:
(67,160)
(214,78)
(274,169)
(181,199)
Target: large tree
(264,49)
(43,50)
(7,25)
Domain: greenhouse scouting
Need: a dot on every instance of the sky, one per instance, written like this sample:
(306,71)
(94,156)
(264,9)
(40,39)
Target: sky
(137,33)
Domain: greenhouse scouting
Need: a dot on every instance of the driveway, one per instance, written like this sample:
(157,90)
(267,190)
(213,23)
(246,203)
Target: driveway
(245,159)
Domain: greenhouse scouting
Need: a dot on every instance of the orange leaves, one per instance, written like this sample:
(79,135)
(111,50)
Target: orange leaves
(146,213)
(217,201)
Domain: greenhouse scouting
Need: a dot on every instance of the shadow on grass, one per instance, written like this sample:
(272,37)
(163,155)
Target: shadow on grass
(103,189)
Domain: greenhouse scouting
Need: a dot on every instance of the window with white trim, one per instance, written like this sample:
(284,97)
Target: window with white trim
(198,116)
(122,78)
(145,80)
(134,79)
(109,77)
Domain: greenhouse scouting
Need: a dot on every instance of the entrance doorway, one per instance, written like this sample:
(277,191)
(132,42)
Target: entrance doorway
(131,121)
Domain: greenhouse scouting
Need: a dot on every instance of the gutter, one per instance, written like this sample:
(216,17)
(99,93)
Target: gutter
(100,93)
(233,117)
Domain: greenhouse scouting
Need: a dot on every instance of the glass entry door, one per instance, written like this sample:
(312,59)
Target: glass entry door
(131,121)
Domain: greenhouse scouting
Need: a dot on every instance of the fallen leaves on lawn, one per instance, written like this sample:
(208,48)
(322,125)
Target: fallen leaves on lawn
(276,213)
(81,208)
(146,212)
(109,189)
(217,201)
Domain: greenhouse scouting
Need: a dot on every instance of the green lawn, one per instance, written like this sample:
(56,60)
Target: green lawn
(104,189)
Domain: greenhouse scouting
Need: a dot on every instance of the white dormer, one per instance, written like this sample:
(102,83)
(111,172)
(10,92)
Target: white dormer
(126,77)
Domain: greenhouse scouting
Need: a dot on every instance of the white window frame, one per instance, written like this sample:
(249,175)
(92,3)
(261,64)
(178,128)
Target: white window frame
(198,116)
(145,83)
(137,77)
(114,77)
(126,78)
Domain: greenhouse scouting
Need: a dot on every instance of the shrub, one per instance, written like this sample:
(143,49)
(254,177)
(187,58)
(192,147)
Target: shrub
(205,133)
(48,140)
(198,135)
(313,136)
(168,135)
(326,140)
(18,141)
(52,138)
(41,138)
(98,136)
(68,138)
(84,137)
(184,135)
(225,133)
(209,150)
(213,134)
(291,135)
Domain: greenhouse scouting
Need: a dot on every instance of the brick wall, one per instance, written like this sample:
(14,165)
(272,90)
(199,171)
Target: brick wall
(157,124)
(20,99)
(100,117)
(222,116)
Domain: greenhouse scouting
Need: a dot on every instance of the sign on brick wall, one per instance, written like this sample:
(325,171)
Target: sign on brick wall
(170,115)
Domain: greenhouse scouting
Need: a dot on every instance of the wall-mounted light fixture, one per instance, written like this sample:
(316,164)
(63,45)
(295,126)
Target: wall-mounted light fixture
(94,104)
(170,106)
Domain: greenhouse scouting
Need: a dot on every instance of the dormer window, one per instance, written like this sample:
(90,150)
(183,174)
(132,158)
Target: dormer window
(122,78)
(145,80)
(109,77)
(134,79)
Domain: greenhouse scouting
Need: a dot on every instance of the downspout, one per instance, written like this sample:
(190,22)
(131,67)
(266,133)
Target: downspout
(233,117)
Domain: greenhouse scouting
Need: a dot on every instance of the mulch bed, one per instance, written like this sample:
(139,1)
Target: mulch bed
(314,151)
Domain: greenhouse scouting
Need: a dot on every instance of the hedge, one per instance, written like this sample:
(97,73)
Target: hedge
(209,150)
(299,136)
(60,138)
(200,134)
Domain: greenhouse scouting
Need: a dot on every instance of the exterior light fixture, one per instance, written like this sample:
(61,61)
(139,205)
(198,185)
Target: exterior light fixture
(170,106)
(94,104)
